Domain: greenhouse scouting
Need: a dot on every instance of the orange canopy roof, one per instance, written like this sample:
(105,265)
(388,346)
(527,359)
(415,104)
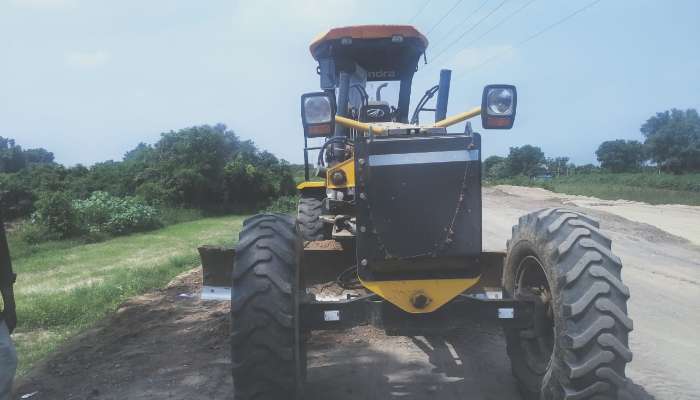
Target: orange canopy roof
(368,32)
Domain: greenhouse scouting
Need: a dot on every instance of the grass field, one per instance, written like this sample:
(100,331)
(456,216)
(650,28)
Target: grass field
(645,187)
(63,288)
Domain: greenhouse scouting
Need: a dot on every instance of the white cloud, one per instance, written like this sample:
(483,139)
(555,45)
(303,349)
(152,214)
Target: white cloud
(87,59)
(473,57)
(44,4)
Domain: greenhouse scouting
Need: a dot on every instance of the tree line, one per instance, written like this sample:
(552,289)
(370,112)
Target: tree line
(202,167)
(671,144)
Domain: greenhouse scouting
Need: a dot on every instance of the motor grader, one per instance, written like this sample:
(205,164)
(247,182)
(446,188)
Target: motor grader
(394,208)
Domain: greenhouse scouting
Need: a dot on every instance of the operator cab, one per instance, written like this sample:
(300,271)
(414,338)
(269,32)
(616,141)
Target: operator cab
(379,57)
(360,62)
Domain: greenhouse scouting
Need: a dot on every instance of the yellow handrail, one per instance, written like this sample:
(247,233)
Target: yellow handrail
(362,126)
(379,129)
(455,119)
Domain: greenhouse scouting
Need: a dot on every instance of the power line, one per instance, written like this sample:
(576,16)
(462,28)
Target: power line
(501,22)
(534,35)
(445,16)
(461,23)
(420,11)
(469,30)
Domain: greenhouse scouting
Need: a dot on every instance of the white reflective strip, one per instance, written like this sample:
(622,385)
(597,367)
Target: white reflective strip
(331,315)
(506,313)
(494,294)
(430,157)
(216,293)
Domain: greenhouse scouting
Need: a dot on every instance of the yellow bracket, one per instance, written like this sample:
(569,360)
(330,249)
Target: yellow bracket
(311,185)
(348,168)
(403,294)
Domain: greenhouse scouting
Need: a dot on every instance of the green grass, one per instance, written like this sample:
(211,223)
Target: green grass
(635,193)
(64,287)
(20,248)
(650,188)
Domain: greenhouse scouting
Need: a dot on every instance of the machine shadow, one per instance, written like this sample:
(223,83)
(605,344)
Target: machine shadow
(472,364)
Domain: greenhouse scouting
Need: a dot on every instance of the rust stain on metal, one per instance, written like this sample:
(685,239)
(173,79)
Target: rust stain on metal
(323,245)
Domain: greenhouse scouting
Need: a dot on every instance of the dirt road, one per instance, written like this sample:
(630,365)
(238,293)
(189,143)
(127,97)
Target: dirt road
(169,345)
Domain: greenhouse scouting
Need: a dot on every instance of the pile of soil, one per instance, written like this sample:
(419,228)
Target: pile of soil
(162,345)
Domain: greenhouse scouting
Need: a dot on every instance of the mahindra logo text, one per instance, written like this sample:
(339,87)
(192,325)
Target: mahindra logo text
(381,74)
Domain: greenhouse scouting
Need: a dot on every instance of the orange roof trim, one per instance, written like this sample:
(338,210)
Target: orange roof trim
(368,32)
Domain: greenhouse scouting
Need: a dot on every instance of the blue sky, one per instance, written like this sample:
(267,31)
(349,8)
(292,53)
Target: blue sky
(88,80)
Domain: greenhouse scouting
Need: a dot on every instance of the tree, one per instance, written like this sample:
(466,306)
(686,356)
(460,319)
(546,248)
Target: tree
(525,160)
(14,159)
(16,196)
(190,163)
(673,139)
(495,167)
(489,162)
(201,167)
(11,157)
(38,156)
(558,165)
(621,155)
(141,153)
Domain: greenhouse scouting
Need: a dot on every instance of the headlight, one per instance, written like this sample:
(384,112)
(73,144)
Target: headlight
(317,113)
(317,110)
(499,101)
(498,106)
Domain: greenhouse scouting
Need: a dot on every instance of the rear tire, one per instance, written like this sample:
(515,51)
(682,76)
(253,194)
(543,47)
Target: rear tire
(266,350)
(310,209)
(562,258)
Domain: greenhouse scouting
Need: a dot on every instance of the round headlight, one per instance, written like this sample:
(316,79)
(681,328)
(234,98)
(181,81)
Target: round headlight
(317,110)
(500,102)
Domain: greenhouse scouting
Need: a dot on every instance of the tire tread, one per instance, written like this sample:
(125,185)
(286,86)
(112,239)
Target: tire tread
(263,316)
(593,340)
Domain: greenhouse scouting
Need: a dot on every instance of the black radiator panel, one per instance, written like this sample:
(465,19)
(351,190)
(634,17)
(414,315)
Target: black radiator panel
(418,196)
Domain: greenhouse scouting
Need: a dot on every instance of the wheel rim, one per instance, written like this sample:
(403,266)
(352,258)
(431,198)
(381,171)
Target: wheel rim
(538,344)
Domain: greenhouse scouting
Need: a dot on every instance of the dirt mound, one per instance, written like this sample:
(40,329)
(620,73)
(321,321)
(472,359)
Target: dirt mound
(163,345)
(671,218)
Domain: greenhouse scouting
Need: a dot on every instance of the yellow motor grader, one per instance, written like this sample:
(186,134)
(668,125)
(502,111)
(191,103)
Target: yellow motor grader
(394,205)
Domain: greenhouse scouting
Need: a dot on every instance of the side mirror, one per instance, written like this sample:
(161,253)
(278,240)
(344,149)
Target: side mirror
(498,105)
(317,114)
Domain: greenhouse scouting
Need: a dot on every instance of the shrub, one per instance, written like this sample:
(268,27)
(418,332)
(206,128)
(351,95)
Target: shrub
(34,233)
(284,205)
(172,216)
(103,213)
(55,212)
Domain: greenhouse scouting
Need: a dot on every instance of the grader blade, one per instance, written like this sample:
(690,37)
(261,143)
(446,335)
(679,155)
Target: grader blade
(217,266)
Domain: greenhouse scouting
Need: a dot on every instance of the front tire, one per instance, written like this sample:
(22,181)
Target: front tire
(266,348)
(579,349)
(309,211)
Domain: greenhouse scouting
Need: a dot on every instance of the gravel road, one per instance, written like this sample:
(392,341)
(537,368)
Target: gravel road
(168,345)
